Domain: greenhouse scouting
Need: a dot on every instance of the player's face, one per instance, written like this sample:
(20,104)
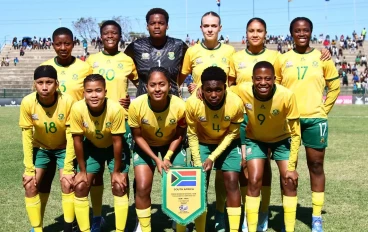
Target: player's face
(263,81)
(301,33)
(46,87)
(110,36)
(94,93)
(157,86)
(213,92)
(210,27)
(256,33)
(157,26)
(63,45)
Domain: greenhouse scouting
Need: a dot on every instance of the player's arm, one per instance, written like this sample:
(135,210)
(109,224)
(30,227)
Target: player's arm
(79,153)
(182,76)
(76,129)
(117,130)
(192,134)
(186,69)
(278,70)
(70,154)
(133,76)
(295,134)
(232,73)
(233,133)
(333,84)
(25,122)
(179,135)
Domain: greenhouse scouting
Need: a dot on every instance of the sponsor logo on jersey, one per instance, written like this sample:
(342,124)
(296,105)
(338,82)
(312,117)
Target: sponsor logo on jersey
(96,123)
(275,112)
(202,119)
(171,55)
(85,124)
(120,66)
(108,125)
(212,56)
(145,56)
(248,106)
(158,54)
(75,77)
(198,61)
(215,116)
(227,118)
(263,107)
(315,64)
(34,117)
(241,65)
(224,60)
(95,65)
(144,121)
(62,73)
(289,64)
(172,121)
(61,116)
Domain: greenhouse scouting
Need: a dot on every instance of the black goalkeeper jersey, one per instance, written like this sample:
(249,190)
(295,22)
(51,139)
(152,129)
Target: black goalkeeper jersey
(146,56)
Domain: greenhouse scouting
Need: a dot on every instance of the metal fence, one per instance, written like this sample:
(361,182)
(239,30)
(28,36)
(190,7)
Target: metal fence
(14,93)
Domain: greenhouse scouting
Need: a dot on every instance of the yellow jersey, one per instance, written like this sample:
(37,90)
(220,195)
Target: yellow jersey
(198,58)
(49,123)
(306,75)
(268,120)
(243,63)
(157,128)
(98,130)
(71,77)
(116,70)
(213,126)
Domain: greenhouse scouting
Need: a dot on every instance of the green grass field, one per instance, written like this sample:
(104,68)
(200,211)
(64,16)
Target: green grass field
(346,206)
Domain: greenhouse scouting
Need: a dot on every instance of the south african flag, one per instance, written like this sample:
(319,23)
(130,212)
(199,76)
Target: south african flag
(183,178)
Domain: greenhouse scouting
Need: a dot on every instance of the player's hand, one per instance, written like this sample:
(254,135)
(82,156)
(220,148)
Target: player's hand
(167,163)
(191,87)
(119,179)
(207,165)
(199,94)
(326,55)
(125,102)
(28,179)
(160,165)
(80,177)
(244,164)
(292,175)
(68,177)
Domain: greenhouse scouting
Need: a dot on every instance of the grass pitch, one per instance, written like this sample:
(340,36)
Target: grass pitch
(346,207)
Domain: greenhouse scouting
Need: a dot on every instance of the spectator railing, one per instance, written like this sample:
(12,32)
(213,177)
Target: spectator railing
(14,93)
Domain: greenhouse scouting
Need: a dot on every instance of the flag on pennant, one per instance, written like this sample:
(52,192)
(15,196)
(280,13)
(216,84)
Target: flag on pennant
(290,0)
(218,2)
(183,178)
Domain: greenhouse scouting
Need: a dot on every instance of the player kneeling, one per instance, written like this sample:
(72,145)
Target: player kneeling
(44,119)
(213,133)
(101,121)
(273,123)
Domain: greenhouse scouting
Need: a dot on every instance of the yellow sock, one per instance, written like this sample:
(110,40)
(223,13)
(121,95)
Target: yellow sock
(289,204)
(234,218)
(252,204)
(67,200)
(144,217)
(243,193)
(265,198)
(44,197)
(200,222)
(81,207)
(180,228)
(33,207)
(220,192)
(96,193)
(121,205)
(318,200)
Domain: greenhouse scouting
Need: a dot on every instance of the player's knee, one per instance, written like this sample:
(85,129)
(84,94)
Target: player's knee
(81,189)
(143,190)
(254,184)
(316,167)
(117,190)
(231,182)
(30,189)
(66,187)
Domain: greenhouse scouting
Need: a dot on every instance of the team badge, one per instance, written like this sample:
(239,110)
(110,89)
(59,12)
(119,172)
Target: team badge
(214,65)
(159,118)
(120,66)
(224,60)
(315,64)
(289,64)
(322,140)
(108,125)
(85,124)
(212,56)
(145,56)
(62,73)
(275,112)
(241,65)
(227,118)
(202,119)
(96,123)
(249,151)
(171,55)
(144,121)
(75,77)
(95,65)
(34,117)
(158,54)
(61,116)
(172,121)
(248,106)
(263,107)
(198,61)
(108,61)
(215,116)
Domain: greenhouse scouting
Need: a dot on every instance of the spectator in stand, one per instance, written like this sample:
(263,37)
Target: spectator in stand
(340,52)
(337,61)
(243,40)
(3,62)
(21,52)
(314,40)
(227,39)
(16,61)
(93,41)
(48,44)
(326,44)
(7,61)
(15,44)
(279,48)
(34,43)
(85,46)
(364,32)
(187,40)
(357,60)
(360,41)
(24,44)
(363,61)
(344,79)
(354,69)
(348,69)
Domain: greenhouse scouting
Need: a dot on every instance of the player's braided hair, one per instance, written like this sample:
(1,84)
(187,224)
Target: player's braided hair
(62,31)
(157,11)
(300,19)
(94,77)
(108,23)
(264,64)
(161,70)
(213,14)
(213,74)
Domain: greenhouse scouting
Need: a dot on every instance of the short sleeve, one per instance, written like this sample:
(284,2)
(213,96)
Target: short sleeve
(25,119)
(133,117)
(293,112)
(187,65)
(329,70)
(277,67)
(118,122)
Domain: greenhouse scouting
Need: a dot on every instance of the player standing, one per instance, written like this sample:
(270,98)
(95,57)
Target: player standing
(158,125)
(157,50)
(44,119)
(213,133)
(270,108)
(301,71)
(101,122)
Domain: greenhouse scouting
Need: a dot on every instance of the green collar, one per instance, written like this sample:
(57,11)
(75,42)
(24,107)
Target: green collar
(167,106)
(303,53)
(249,53)
(215,48)
(273,93)
(106,54)
(56,62)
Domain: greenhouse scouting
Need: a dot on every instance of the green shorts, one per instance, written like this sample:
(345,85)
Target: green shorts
(229,160)
(42,157)
(314,132)
(178,159)
(243,129)
(96,157)
(259,150)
